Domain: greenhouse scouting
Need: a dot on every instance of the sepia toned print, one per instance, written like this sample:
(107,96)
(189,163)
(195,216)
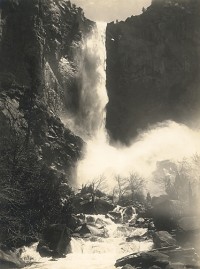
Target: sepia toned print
(99,134)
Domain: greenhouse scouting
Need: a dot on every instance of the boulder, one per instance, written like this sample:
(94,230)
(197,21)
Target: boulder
(92,230)
(166,212)
(103,206)
(127,266)
(90,219)
(44,250)
(163,239)
(140,221)
(10,259)
(83,229)
(166,258)
(136,238)
(56,239)
(186,256)
(114,216)
(144,259)
(74,222)
(123,214)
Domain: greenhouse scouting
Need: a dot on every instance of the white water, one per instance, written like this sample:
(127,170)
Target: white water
(163,141)
(88,122)
(94,252)
(168,140)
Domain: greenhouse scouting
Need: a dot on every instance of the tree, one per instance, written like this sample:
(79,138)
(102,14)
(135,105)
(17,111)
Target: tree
(95,187)
(136,184)
(179,180)
(121,187)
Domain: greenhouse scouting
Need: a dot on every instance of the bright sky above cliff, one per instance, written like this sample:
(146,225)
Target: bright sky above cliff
(111,10)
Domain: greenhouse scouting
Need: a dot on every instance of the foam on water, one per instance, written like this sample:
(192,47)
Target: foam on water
(89,254)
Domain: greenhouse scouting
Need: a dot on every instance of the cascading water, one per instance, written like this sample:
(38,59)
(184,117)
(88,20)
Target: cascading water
(157,144)
(88,121)
(95,252)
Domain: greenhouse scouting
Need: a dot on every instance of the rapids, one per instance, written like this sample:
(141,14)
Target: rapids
(93,252)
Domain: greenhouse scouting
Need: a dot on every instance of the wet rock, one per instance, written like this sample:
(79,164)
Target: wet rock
(103,206)
(144,259)
(44,250)
(163,239)
(100,222)
(114,216)
(128,266)
(9,259)
(123,214)
(162,258)
(166,212)
(140,221)
(136,238)
(187,256)
(92,230)
(56,240)
(83,229)
(90,219)
(74,222)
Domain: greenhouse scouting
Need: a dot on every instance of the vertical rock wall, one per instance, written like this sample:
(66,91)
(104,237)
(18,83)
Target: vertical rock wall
(153,68)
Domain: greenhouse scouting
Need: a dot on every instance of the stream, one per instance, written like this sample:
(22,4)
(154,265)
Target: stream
(93,252)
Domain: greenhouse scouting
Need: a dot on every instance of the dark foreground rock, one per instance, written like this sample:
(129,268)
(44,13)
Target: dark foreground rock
(166,212)
(188,233)
(162,258)
(9,259)
(163,239)
(55,243)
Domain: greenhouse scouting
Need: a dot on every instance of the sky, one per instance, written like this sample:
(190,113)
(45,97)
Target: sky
(111,10)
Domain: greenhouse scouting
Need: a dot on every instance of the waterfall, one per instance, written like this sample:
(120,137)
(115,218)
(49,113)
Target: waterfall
(88,121)
(163,141)
(93,97)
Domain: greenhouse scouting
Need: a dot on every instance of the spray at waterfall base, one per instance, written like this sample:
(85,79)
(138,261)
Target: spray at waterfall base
(165,141)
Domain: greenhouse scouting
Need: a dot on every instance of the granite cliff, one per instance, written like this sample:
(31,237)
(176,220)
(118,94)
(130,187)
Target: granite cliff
(39,44)
(153,67)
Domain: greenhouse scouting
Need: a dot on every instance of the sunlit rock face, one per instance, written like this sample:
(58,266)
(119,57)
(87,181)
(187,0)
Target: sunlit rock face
(153,67)
(39,44)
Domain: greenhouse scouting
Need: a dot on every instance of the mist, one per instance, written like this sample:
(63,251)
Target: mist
(164,141)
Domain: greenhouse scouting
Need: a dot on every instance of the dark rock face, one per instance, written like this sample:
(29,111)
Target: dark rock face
(153,65)
(56,239)
(39,43)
